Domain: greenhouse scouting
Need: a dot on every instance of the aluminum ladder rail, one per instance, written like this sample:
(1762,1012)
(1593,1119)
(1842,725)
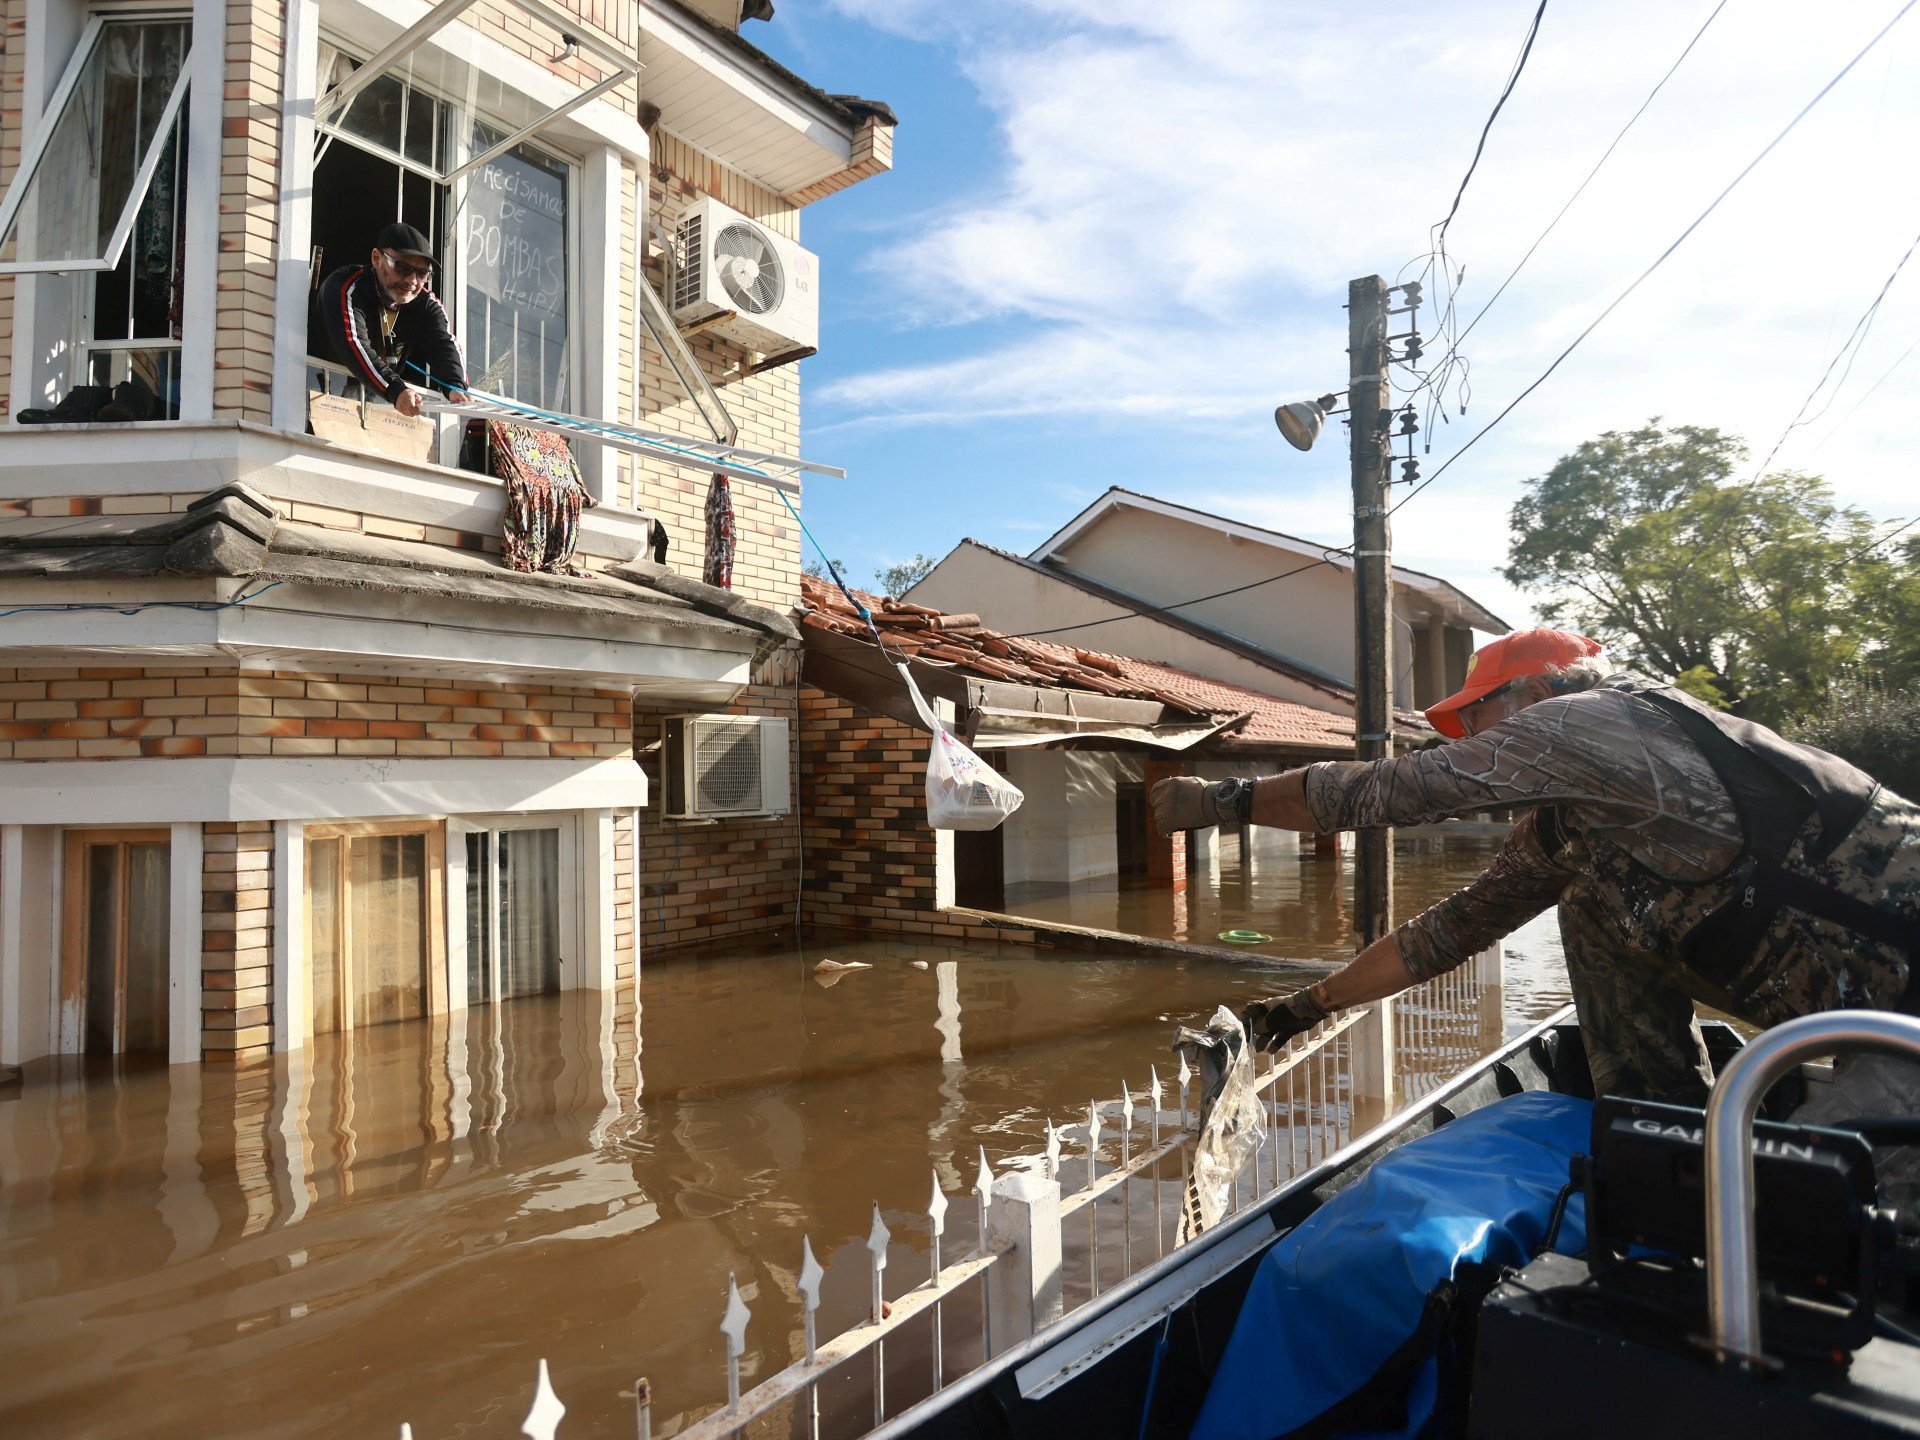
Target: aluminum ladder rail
(1733,1265)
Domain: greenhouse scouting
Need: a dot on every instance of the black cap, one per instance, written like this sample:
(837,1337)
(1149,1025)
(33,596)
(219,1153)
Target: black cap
(403,239)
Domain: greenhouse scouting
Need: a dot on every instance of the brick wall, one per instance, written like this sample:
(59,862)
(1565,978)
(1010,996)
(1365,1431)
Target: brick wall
(766,407)
(248,264)
(117,714)
(869,853)
(236,957)
(706,882)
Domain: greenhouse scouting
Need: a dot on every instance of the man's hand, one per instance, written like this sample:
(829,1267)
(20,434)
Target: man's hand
(1272,1022)
(1186,802)
(408,403)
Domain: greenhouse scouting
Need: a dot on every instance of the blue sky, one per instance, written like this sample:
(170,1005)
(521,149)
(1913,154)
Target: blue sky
(1118,232)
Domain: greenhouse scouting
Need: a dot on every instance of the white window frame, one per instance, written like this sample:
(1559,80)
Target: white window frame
(573,974)
(454,271)
(328,107)
(16,194)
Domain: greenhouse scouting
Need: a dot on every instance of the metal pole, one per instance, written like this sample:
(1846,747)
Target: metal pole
(1368,406)
(1733,1262)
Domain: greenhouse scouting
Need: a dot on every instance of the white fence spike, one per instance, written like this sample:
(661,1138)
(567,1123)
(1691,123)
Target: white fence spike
(406,1431)
(544,1418)
(1126,1107)
(877,1239)
(1053,1152)
(937,1208)
(983,1181)
(733,1325)
(1093,1137)
(809,1287)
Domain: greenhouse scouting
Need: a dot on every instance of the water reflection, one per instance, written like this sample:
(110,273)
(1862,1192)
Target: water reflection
(396,1222)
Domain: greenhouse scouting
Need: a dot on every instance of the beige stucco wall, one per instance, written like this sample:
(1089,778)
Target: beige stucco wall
(1014,598)
(1307,617)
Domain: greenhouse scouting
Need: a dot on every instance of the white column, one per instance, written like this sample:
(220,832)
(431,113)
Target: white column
(28,957)
(600,265)
(1023,1287)
(185,898)
(206,106)
(595,971)
(295,216)
(292,989)
(1373,1053)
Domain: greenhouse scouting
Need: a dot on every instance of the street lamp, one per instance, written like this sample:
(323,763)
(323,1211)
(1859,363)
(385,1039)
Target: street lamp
(1301,421)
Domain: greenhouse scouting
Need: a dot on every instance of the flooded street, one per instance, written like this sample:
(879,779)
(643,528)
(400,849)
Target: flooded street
(397,1223)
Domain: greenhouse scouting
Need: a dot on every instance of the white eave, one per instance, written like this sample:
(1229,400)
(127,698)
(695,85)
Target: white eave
(1446,598)
(720,102)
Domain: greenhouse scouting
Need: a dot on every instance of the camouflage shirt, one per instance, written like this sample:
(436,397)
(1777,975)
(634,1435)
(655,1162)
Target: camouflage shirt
(1642,824)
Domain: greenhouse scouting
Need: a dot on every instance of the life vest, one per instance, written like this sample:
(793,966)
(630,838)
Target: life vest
(1775,786)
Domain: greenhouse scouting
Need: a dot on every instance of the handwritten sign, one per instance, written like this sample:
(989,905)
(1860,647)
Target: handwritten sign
(515,236)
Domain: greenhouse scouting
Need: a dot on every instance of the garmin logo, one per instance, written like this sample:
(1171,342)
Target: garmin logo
(1694,1135)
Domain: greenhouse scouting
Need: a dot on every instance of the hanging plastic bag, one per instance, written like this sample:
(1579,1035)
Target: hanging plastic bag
(1232,1123)
(963,791)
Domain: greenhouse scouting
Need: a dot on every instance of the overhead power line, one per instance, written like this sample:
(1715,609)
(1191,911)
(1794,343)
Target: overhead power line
(1662,258)
(1850,348)
(1149,608)
(1581,188)
(1485,130)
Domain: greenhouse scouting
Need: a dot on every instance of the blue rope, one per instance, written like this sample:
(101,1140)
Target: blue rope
(834,570)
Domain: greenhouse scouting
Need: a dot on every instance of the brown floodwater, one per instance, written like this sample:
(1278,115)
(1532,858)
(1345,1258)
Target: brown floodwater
(397,1223)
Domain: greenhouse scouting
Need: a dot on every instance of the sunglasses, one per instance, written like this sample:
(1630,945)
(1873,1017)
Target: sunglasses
(408,269)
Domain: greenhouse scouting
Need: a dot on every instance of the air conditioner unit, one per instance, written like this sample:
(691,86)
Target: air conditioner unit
(720,766)
(753,287)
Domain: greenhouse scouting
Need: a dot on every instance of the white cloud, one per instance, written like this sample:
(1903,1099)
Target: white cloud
(1187,189)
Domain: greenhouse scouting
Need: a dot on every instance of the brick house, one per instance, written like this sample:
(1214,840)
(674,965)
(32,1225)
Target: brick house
(284,748)
(1083,733)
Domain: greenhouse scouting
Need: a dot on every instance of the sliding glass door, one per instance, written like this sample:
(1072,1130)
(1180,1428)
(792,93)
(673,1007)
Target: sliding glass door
(518,879)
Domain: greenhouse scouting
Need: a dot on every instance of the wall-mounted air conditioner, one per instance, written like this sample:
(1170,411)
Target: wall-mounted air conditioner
(721,766)
(740,280)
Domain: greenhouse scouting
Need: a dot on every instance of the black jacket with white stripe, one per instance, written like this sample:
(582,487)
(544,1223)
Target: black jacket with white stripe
(350,303)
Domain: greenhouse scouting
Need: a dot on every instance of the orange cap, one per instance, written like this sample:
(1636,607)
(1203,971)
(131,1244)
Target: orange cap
(1511,657)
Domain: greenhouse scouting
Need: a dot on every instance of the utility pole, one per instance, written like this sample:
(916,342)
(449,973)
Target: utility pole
(1367,403)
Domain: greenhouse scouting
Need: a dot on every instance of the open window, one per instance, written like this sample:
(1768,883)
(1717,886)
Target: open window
(97,214)
(422,134)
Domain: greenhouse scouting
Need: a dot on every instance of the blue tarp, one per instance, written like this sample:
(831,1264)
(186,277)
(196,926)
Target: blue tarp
(1334,1300)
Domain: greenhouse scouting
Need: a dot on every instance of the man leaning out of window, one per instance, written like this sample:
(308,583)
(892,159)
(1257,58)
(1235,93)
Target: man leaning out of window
(387,326)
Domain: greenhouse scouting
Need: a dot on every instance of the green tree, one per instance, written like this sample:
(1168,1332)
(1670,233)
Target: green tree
(896,580)
(1755,592)
(817,568)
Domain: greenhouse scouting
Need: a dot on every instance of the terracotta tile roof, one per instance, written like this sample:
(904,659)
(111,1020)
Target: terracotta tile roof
(962,642)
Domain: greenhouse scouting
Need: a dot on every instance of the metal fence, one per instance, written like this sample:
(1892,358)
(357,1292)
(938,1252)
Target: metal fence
(1102,1199)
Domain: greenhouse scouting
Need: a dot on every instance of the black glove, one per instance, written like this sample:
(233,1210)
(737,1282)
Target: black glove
(1272,1022)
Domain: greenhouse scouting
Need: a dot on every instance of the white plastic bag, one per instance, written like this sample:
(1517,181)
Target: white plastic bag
(963,791)
(1232,1122)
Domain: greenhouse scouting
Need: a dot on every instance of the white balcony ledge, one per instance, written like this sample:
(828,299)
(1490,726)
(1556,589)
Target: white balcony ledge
(179,457)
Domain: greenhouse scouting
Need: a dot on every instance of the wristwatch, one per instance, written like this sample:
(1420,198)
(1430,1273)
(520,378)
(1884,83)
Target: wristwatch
(1234,800)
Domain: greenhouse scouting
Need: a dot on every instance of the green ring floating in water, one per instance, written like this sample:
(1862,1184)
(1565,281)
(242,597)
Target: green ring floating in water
(1243,937)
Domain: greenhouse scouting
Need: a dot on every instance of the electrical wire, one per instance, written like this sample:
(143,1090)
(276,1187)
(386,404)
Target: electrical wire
(1698,220)
(1891,534)
(135,609)
(1885,376)
(1850,348)
(1149,608)
(1513,79)
(1582,187)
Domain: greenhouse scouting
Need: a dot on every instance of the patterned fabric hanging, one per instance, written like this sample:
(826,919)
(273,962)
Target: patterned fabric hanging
(719,566)
(540,526)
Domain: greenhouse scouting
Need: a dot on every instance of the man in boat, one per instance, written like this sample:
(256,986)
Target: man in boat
(1695,857)
(385,324)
